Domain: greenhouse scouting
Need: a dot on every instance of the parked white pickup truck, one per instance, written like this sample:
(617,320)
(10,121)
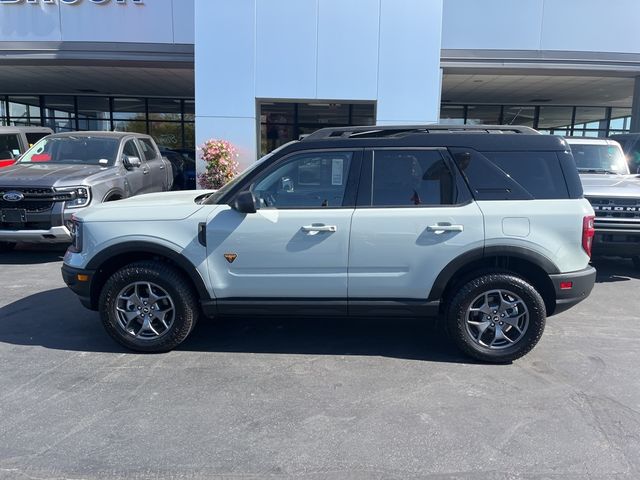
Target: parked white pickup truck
(14,141)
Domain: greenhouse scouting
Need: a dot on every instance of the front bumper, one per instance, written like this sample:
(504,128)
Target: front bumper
(79,281)
(617,243)
(582,283)
(58,234)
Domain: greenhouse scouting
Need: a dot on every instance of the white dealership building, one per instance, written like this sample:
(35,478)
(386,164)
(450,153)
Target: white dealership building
(262,72)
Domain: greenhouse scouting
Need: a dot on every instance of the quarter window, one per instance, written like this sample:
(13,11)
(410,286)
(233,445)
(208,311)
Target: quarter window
(538,172)
(411,178)
(312,180)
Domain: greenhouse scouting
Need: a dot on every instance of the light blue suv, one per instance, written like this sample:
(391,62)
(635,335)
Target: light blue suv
(483,227)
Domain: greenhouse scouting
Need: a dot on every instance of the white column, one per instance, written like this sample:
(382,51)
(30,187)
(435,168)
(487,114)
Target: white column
(225,74)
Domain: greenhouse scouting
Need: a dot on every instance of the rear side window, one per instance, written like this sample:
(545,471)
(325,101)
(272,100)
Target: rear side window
(538,172)
(512,175)
(34,137)
(9,147)
(147,149)
(411,178)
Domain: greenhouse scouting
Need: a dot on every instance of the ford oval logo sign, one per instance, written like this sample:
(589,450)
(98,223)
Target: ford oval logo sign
(13,197)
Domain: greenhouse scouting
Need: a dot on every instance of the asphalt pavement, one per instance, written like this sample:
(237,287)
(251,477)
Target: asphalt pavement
(313,399)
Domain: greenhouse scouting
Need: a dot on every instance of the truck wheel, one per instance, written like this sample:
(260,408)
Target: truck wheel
(496,317)
(7,246)
(148,307)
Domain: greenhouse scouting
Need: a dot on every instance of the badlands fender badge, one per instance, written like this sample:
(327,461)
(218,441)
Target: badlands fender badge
(230,257)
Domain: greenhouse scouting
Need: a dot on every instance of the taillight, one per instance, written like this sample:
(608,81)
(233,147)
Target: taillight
(588,231)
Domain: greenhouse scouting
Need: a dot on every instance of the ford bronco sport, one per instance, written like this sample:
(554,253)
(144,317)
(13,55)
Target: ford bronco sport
(484,227)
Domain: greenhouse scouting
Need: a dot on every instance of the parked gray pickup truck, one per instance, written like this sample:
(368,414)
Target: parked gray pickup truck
(66,172)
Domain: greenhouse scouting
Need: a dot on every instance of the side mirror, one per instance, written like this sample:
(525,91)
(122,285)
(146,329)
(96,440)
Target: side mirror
(245,202)
(131,162)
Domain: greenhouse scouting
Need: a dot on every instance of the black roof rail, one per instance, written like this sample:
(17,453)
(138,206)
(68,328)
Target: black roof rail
(372,131)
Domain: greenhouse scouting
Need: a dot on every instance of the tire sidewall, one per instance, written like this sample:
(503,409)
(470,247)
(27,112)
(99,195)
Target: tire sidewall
(462,301)
(184,319)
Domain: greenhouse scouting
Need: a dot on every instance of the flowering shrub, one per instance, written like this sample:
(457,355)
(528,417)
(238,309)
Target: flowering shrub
(222,165)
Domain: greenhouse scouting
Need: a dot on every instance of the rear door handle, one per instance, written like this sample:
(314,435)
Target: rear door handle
(320,228)
(445,227)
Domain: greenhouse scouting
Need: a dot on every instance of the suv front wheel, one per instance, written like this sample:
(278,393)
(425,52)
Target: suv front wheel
(148,307)
(496,317)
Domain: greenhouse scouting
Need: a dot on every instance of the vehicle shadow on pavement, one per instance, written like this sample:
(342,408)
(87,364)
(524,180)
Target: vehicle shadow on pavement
(615,270)
(410,339)
(55,319)
(32,255)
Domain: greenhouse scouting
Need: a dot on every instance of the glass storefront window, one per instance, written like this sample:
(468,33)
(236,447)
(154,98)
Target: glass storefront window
(167,134)
(363,114)
(24,110)
(452,114)
(129,108)
(519,115)
(189,135)
(483,114)
(93,113)
(60,107)
(555,119)
(3,112)
(165,109)
(323,113)
(283,122)
(620,119)
(189,111)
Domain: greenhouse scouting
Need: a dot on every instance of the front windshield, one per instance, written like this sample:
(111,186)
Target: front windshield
(81,150)
(214,197)
(599,159)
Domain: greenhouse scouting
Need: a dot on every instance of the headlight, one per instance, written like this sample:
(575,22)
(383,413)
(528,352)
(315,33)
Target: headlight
(75,228)
(78,197)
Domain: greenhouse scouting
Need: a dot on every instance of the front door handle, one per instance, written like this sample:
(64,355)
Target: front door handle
(445,227)
(320,228)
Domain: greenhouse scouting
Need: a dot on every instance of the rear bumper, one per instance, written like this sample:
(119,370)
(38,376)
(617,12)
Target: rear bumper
(72,277)
(58,234)
(582,283)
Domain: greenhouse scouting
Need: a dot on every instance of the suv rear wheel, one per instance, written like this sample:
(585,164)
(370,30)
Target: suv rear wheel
(148,307)
(496,317)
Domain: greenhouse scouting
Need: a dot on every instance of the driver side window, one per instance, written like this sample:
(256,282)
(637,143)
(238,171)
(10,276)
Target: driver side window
(309,180)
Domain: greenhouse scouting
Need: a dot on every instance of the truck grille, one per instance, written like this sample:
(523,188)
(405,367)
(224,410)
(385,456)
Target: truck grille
(36,200)
(622,208)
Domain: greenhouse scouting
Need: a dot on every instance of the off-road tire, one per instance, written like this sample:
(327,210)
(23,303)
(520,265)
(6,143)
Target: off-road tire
(173,282)
(459,304)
